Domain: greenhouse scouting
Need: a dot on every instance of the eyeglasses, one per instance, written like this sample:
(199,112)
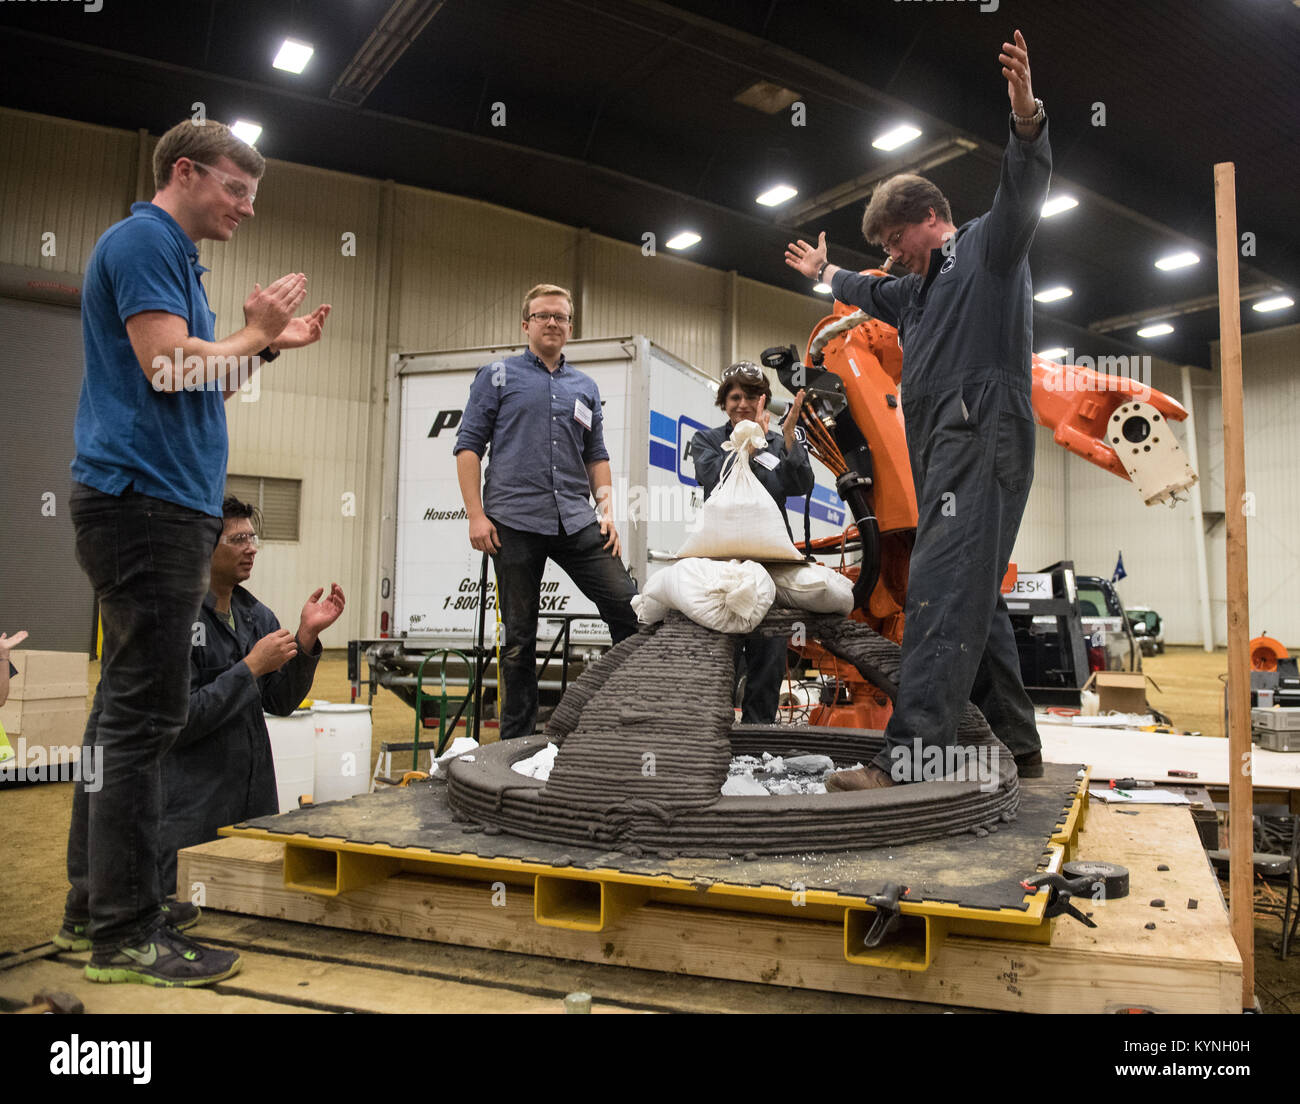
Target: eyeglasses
(240,540)
(744,368)
(548,316)
(892,241)
(236,189)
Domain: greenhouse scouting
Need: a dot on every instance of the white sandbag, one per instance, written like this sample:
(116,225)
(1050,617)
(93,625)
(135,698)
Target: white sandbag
(741,520)
(813,587)
(727,596)
(649,611)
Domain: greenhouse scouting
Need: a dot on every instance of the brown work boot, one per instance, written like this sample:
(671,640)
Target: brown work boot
(864,778)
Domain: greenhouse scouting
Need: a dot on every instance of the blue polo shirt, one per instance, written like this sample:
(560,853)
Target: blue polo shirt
(544,428)
(130,436)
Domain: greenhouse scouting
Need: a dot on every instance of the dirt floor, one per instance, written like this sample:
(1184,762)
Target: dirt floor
(34,817)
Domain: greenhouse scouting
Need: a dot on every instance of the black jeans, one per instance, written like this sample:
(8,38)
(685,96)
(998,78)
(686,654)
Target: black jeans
(519,566)
(972,453)
(148,561)
(762,661)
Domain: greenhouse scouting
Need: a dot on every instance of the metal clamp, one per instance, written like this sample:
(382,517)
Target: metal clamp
(888,913)
(1060,890)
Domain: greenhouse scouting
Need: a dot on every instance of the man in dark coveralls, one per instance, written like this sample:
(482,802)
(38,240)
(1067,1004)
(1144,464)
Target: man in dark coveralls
(964,314)
(242,664)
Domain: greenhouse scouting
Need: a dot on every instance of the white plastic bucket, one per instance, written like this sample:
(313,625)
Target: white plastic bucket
(342,751)
(293,748)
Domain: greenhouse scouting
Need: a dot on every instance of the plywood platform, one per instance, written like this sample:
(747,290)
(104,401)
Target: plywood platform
(1186,963)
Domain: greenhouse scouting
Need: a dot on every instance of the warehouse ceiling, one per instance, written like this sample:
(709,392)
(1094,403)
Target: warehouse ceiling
(629,117)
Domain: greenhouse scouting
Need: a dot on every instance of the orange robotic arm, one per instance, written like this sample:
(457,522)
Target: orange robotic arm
(1111,419)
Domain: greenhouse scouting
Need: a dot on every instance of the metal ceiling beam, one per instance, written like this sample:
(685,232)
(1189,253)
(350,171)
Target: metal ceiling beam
(400,26)
(1175,310)
(759,55)
(841,195)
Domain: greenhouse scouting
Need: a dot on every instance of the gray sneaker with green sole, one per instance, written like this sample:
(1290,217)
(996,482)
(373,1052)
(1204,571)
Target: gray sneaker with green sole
(178,915)
(166,958)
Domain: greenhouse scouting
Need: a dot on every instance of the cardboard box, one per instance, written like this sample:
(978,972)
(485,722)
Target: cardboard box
(1119,691)
(47,721)
(43,675)
(47,697)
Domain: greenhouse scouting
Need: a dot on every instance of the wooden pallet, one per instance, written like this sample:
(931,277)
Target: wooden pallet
(1187,963)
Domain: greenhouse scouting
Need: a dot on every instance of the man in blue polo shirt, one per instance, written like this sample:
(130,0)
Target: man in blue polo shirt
(543,420)
(148,479)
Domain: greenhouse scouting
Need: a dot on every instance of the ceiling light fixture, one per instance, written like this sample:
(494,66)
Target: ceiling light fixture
(1053,354)
(1177,260)
(822,289)
(1281,302)
(777,195)
(246,131)
(1158,329)
(898,136)
(1052,294)
(683,240)
(293,56)
(1057,204)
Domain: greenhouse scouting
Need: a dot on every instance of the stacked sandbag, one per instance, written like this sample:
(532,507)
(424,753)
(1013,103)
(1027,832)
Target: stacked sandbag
(728,597)
(740,520)
(813,587)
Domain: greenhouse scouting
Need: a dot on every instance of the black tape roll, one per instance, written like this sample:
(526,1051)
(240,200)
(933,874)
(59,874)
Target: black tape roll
(1114,878)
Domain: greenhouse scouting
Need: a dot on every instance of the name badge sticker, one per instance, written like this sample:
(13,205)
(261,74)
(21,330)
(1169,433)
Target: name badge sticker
(582,413)
(767,459)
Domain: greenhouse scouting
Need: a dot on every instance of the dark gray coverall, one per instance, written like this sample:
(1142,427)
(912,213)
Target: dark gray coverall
(761,659)
(220,770)
(966,333)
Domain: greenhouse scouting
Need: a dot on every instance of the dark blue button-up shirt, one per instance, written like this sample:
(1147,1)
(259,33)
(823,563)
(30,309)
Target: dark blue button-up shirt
(537,468)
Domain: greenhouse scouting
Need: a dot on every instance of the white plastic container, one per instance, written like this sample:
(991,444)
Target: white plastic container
(293,748)
(342,751)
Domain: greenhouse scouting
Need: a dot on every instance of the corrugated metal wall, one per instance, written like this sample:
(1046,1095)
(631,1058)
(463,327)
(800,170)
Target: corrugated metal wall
(678,304)
(1271,400)
(432,271)
(771,316)
(463,267)
(310,418)
(1041,540)
(63,178)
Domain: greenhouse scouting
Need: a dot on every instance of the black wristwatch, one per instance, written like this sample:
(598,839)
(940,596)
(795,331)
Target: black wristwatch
(824,267)
(267,355)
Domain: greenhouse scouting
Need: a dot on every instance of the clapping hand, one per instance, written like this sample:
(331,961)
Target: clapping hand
(319,614)
(9,643)
(303,331)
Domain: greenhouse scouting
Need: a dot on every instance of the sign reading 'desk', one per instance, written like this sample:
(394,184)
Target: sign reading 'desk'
(1032,586)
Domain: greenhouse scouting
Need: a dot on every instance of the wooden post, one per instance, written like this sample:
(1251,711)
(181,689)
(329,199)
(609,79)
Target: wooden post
(1240,798)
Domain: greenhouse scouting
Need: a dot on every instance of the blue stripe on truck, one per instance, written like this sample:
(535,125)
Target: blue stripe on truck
(663,427)
(663,455)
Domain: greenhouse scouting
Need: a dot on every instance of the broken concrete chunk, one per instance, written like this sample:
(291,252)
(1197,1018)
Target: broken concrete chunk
(743,785)
(809,764)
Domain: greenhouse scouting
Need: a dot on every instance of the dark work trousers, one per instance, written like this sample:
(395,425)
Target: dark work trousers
(972,454)
(519,566)
(148,561)
(762,661)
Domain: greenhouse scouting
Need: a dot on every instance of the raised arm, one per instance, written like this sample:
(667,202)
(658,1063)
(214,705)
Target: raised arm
(1026,167)
(880,296)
